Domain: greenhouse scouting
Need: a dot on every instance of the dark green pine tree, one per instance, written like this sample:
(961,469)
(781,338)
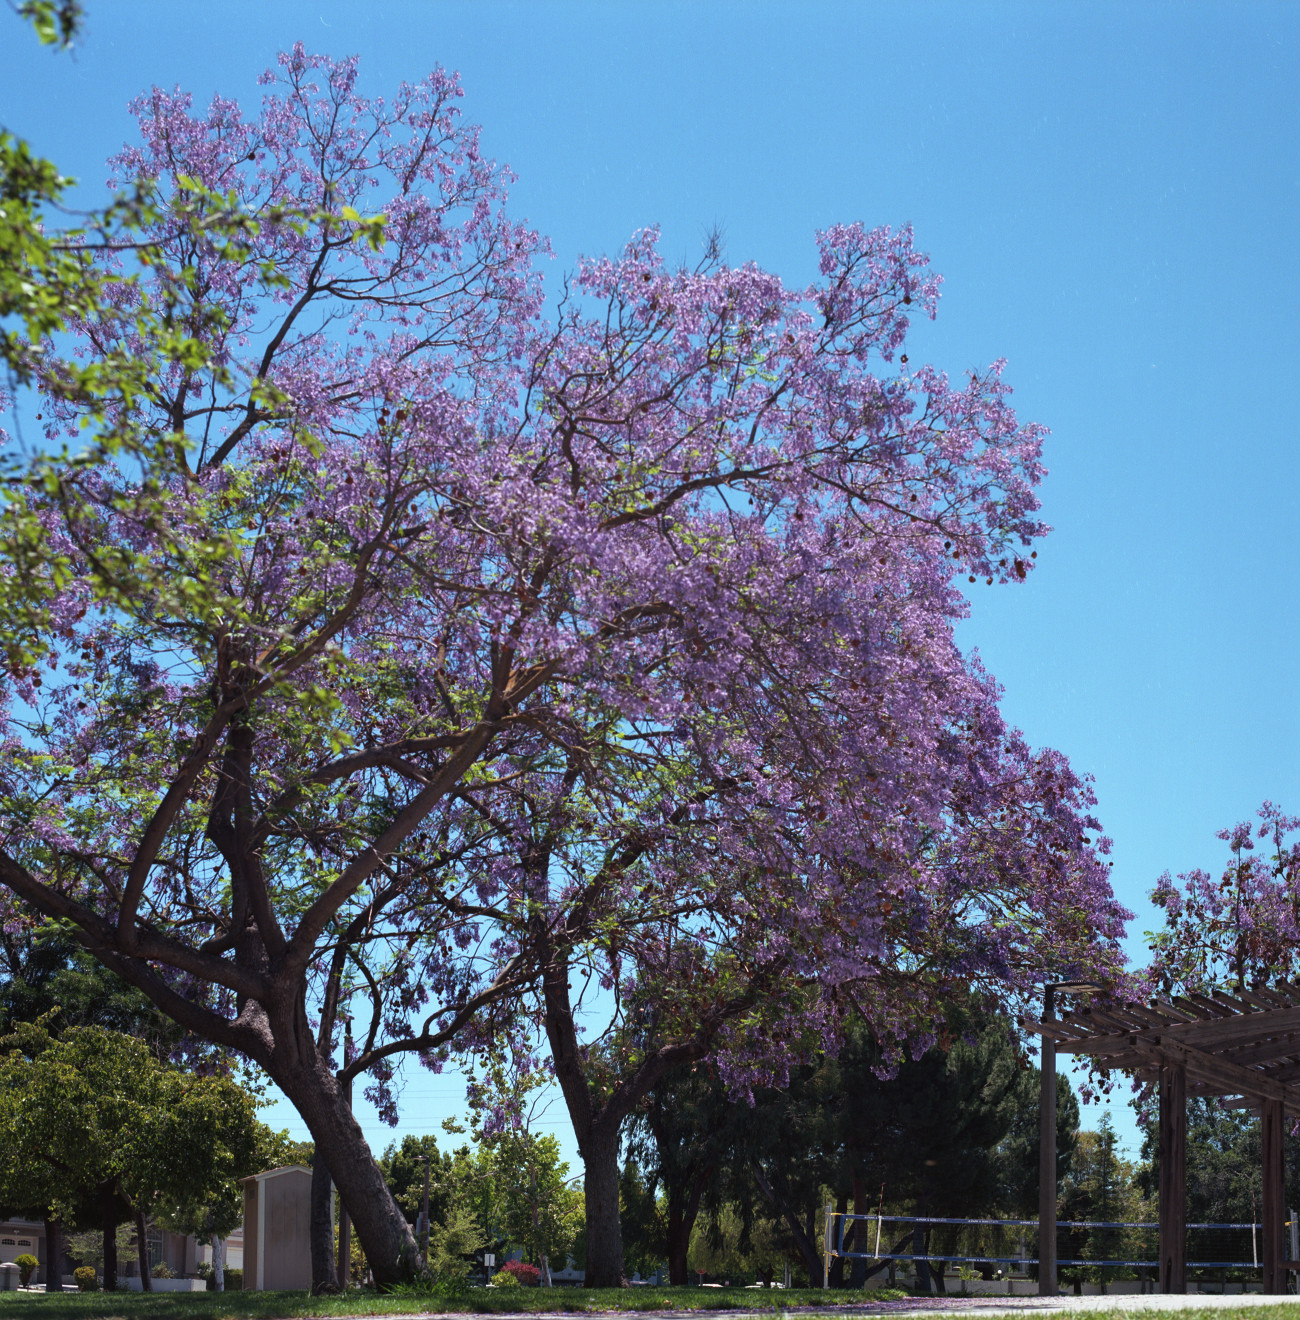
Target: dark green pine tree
(44,968)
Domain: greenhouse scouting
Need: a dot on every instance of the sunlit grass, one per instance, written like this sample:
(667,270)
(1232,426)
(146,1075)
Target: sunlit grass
(483,1301)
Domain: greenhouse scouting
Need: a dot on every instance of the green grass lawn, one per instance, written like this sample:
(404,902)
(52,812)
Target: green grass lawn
(513,1301)
(482,1301)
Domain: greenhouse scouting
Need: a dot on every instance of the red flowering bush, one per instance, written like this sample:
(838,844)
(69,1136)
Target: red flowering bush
(528,1275)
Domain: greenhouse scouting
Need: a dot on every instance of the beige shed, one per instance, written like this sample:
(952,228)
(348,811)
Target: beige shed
(277,1229)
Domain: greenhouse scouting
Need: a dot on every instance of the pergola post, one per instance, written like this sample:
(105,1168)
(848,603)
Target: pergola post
(1173,1179)
(1273,1213)
(1047,1161)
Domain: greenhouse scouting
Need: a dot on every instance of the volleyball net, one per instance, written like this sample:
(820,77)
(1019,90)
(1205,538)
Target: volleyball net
(1011,1245)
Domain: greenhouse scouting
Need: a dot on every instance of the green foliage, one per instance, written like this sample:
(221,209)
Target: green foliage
(56,22)
(44,968)
(403,1169)
(162,1271)
(278,1150)
(452,1246)
(531,1205)
(504,1279)
(85,1277)
(27,1266)
(447,1289)
(87,1247)
(94,1107)
(721,1247)
(1103,1186)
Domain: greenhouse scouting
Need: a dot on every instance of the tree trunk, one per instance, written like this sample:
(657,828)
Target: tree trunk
(142,1252)
(345,1220)
(682,1213)
(219,1263)
(860,1234)
(380,1225)
(324,1279)
(108,1221)
(920,1263)
(345,1247)
(679,1239)
(53,1254)
(604,1232)
(804,1240)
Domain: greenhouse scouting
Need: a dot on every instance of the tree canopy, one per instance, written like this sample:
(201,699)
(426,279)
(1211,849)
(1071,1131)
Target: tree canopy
(394,643)
(1241,927)
(92,1116)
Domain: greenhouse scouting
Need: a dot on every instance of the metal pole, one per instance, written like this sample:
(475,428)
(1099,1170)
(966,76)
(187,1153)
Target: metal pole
(826,1248)
(1047,1157)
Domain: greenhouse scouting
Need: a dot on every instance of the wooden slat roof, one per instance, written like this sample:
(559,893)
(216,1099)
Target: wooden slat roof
(1231,1042)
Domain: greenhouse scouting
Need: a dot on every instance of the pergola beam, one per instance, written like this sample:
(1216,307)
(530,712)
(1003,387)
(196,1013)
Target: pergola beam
(1273,1213)
(1173,1179)
(1244,1045)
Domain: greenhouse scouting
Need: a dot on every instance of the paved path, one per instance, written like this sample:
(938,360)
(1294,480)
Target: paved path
(1012,1306)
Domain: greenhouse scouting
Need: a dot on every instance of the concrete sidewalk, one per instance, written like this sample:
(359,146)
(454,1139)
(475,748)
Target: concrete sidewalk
(929,1308)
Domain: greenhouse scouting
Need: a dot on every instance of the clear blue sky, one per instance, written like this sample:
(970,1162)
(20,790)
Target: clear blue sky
(1112,193)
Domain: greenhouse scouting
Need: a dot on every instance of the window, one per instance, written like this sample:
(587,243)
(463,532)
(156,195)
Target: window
(24,1242)
(7,1242)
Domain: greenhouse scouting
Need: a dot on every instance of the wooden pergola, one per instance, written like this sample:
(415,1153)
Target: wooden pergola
(1243,1044)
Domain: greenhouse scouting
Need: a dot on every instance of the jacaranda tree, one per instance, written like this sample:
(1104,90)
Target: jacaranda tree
(1240,928)
(423,652)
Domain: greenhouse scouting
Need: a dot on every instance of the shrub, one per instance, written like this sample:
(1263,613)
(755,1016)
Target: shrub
(162,1271)
(27,1264)
(85,1277)
(503,1279)
(452,1287)
(234,1279)
(528,1275)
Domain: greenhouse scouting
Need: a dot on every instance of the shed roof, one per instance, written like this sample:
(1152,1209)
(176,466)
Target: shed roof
(274,1173)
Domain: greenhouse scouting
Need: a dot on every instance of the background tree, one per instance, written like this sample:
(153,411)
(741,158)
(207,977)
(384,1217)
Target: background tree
(94,1117)
(681,1136)
(45,969)
(952,1133)
(1104,1187)
(211,1209)
(533,1205)
(1224,1172)
(643,1220)
(403,1169)
(1241,928)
